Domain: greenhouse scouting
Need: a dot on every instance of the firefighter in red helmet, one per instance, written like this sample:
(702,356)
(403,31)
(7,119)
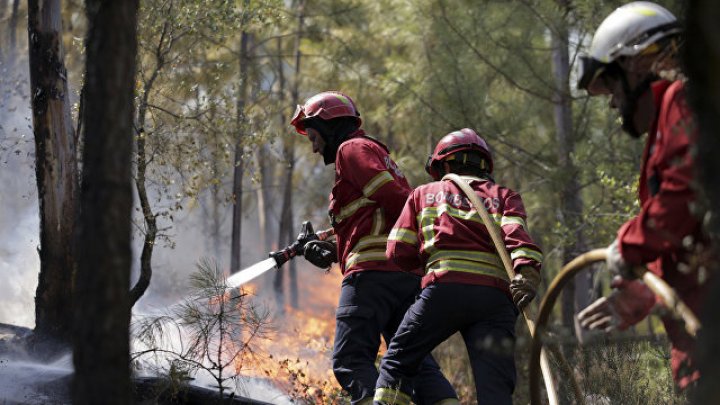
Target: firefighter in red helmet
(366,200)
(631,48)
(465,287)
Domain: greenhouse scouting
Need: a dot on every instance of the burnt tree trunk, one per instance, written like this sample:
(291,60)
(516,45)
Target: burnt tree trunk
(702,60)
(102,310)
(56,170)
(577,293)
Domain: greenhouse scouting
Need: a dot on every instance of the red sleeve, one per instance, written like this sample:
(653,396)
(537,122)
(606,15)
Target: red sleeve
(665,218)
(523,251)
(371,170)
(403,247)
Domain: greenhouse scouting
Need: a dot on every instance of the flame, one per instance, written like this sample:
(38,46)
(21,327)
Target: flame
(297,355)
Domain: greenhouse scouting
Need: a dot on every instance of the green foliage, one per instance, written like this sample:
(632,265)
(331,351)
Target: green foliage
(417,70)
(211,331)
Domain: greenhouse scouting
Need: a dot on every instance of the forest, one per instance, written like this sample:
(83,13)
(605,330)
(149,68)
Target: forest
(146,154)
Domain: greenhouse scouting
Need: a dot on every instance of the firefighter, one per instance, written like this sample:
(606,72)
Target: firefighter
(365,201)
(465,287)
(630,50)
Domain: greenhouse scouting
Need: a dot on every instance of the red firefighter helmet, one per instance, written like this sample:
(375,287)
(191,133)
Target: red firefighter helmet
(326,105)
(463,140)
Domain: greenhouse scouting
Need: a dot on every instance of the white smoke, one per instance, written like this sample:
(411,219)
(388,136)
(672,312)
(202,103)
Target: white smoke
(19,220)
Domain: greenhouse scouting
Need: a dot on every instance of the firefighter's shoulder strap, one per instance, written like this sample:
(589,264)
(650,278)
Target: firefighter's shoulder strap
(497,239)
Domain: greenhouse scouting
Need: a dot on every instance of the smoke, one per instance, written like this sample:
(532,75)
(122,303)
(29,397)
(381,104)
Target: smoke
(19,220)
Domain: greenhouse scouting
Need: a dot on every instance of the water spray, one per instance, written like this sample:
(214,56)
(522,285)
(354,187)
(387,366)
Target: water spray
(280,257)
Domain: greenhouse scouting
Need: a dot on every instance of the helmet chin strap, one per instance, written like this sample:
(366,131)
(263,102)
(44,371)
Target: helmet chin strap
(631,102)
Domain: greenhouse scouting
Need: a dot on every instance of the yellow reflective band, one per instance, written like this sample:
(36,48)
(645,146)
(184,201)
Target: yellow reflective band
(378,221)
(403,235)
(463,266)
(391,396)
(472,215)
(648,12)
(342,99)
(513,221)
(427,228)
(528,253)
(468,255)
(366,256)
(378,181)
(370,241)
(351,208)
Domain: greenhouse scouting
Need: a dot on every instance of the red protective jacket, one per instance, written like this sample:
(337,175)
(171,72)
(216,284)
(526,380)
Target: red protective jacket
(655,237)
(366,200)
(439,231)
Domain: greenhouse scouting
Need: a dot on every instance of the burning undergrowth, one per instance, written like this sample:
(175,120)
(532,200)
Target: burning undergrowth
(297,356)
(221,339)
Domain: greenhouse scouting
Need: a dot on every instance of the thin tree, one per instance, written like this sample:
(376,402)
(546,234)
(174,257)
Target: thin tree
(576,295)
(240,122)
(56,170)
(286,228)
(102,310)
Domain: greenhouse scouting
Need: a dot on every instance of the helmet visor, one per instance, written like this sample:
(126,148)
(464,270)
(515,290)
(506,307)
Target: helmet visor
(298,120)
(589,72)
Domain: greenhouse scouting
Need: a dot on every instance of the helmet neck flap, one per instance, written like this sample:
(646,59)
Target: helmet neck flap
(333,132)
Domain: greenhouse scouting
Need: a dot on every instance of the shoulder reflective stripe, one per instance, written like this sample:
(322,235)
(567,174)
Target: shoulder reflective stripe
(364,256)
(391,396)
(513,220)
(378,221)
(376,182)
(528,253)
(351,208)
(469,255)
(463,266)
(403,235)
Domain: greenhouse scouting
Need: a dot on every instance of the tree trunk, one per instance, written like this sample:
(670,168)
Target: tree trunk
(56,169)
(142,160)
(287,230)
(265,195)
(239,167)
(577,294)
(14,22)
(102,310)
(702,60)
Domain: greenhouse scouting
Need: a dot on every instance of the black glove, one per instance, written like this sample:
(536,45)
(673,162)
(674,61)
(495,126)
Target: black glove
(523,287)
(321,253)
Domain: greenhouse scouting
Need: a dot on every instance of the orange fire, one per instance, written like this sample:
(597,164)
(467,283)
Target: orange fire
(297,355)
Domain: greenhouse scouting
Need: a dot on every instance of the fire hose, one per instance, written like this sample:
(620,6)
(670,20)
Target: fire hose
(507,263)
(568,272)
(307,234)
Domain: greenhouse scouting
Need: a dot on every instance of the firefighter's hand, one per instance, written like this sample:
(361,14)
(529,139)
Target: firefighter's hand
(616,264)
(523,287)
(321,253)
(628,304)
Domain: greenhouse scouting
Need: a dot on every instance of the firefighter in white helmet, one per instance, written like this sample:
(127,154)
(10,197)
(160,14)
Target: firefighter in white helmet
(630,51)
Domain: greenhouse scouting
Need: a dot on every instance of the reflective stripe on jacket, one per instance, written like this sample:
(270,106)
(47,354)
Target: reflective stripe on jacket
(440,232)
(367,198)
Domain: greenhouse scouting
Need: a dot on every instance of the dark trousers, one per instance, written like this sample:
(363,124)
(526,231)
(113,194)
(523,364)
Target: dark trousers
(373,303)
(485,316)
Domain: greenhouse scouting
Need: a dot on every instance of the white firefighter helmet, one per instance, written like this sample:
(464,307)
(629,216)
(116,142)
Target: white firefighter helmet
(627,31)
